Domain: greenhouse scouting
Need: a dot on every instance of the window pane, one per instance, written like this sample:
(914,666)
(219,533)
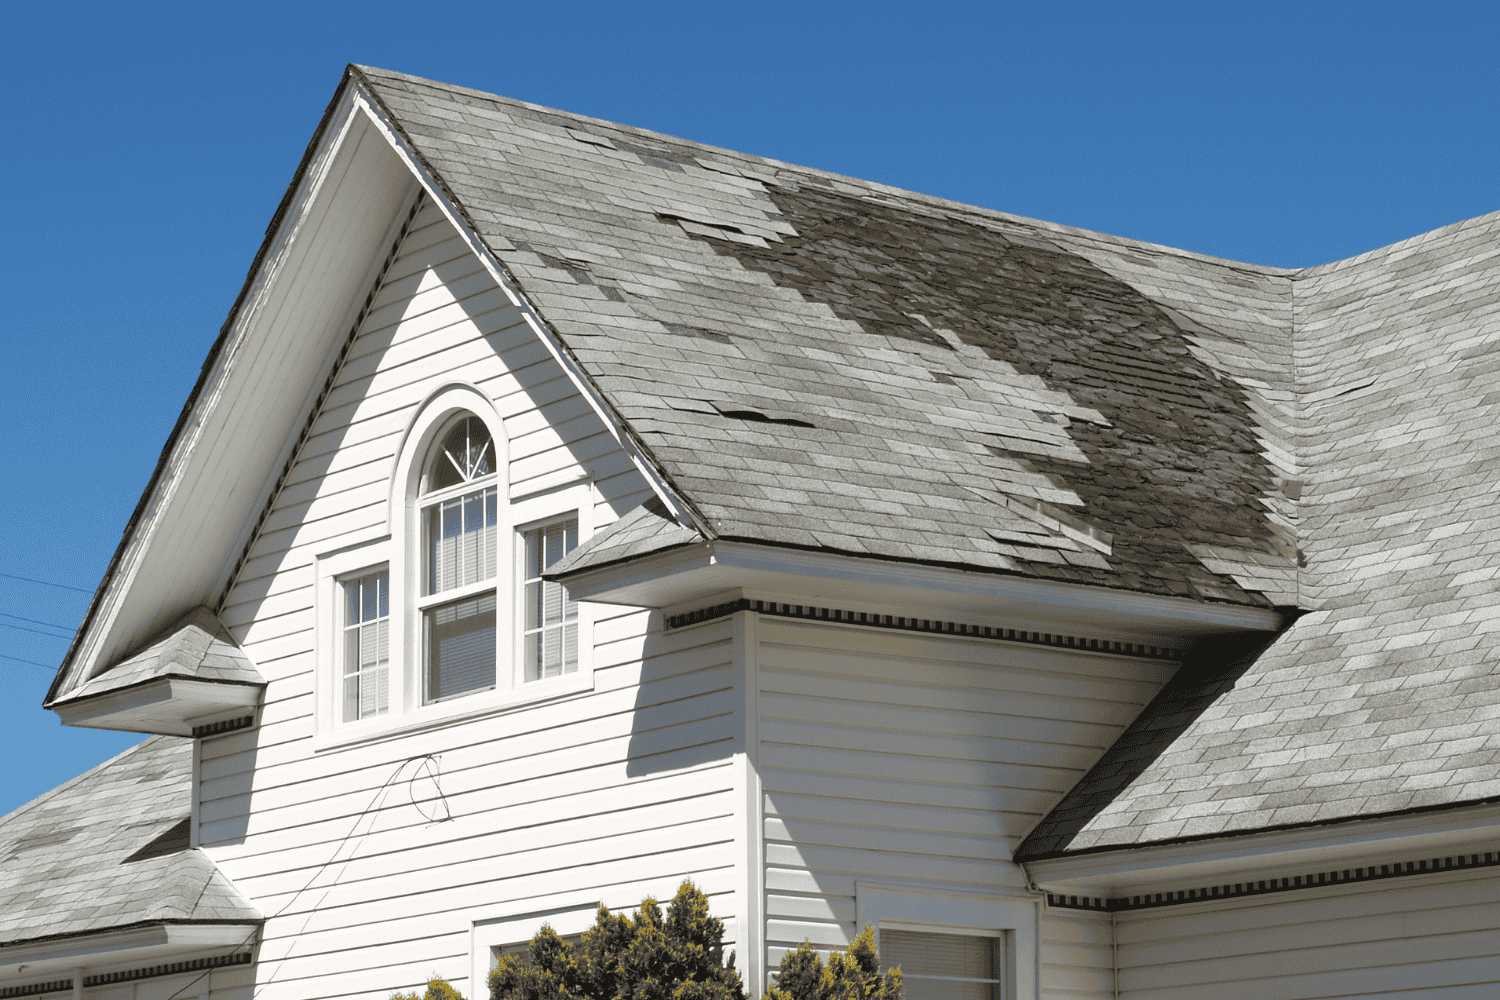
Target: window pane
(367,631)
(461,647)
(461,540)
(942,966)
(467,452)
(549,613)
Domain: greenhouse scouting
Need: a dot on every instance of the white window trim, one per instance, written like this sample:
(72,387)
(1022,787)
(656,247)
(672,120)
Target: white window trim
(398,547)
(331,569)
(488,933)
(1013,918)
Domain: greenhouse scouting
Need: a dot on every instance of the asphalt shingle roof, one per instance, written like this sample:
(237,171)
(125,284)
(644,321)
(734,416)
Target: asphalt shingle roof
(196,647)
(1386,696)
(820,361)
(823,362)
(110,849)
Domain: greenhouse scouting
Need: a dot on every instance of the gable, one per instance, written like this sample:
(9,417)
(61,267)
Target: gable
(437,319)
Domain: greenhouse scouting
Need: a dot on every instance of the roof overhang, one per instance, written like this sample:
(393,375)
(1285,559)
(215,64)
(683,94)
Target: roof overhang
(1161,867)
(707,571)
(239,427)
(170,706)
(31,961)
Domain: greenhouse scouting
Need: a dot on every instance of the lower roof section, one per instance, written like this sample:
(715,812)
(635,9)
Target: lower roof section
(105,858)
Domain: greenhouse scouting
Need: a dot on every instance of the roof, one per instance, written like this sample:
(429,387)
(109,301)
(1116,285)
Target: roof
(823,362)
(195,647)
(109,849)
(1386,697)
(828,363)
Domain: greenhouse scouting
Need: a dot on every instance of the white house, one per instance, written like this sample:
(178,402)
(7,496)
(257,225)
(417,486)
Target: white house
(565,510)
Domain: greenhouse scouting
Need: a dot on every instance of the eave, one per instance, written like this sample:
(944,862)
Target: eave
(169,706)
(143,944)
(707,571)
(1403,837)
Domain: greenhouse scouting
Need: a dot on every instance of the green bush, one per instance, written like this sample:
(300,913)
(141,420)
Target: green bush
(853,974)
(676,957)
(437,989)
(644,957)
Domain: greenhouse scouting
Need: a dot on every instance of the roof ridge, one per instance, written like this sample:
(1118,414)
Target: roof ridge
(1430,235)
(877,187)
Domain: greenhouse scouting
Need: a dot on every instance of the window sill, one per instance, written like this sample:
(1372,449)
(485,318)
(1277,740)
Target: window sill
(449,713)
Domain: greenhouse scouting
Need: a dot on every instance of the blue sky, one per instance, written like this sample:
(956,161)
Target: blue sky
(147,146)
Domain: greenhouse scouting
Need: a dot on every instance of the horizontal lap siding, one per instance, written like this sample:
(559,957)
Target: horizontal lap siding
(372,872)
(1435,937)
(887,756)
(1077,953)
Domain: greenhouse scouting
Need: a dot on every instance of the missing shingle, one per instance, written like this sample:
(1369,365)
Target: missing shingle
(656,156)
(699,332)
(722,227)
(577,270)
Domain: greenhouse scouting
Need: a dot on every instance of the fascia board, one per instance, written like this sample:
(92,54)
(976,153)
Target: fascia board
(103,613)
(166,705)
(618,429)
(686,573)
(1406,837)
(125,947)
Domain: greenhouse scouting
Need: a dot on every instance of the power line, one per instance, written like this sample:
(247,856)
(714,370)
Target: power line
(34,631)
(44,666)
(35,621)
(45,583)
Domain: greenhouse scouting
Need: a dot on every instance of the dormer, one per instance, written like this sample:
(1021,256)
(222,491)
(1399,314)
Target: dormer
(192,679)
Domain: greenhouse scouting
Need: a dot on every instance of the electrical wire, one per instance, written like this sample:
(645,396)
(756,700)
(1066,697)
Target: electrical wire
(4,656)
(44,583)
(34,631)
(35,621)
(433,766)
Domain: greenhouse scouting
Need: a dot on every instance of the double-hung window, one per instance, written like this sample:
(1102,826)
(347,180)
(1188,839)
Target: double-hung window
(458,514)
(549,619)
(367,645)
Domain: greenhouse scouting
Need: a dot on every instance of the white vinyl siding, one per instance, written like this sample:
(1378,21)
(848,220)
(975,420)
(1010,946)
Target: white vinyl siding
(920,759)
(373,865)
(1435,937)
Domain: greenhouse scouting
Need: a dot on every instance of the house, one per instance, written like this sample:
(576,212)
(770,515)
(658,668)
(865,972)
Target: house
(565,510)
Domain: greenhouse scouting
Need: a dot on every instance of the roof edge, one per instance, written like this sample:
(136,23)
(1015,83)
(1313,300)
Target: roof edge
(572,365)
(933,201)
(128,535)
(1232,835)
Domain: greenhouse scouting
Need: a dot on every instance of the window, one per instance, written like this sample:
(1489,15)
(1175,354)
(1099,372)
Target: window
(549,618)
(955,945)
(367,645)
(945,966)
(459,514)
(440,613)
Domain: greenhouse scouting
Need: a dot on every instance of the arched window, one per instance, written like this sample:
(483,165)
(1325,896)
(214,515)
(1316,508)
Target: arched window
(445,614)
(458,514)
